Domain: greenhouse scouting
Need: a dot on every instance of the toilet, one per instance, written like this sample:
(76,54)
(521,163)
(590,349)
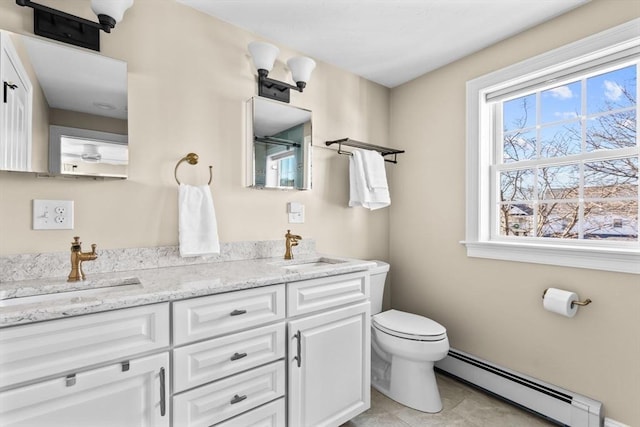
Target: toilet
(404,348)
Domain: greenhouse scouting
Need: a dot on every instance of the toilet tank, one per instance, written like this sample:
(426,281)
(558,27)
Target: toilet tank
(378,277)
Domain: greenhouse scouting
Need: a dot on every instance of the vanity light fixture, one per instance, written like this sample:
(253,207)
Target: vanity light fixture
(66,28)
(264,56)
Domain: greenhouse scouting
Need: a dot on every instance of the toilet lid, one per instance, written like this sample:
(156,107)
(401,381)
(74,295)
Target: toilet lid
(407,325)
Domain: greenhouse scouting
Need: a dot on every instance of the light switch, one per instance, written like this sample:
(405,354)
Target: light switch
(296,212)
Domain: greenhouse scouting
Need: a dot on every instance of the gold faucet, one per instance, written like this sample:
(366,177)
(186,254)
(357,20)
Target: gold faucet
(77,256)
(291,240)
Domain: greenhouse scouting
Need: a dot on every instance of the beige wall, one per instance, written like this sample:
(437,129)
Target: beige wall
(493,309)
(189,78)
(75,119)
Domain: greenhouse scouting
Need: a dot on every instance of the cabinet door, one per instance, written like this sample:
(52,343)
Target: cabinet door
(329,367)
(45,349)
(15,110)
(103,397)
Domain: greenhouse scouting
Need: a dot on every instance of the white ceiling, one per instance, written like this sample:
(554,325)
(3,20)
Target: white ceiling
(79,80)
(387,41)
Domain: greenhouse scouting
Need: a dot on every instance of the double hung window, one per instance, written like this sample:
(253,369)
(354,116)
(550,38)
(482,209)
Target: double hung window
(553,155)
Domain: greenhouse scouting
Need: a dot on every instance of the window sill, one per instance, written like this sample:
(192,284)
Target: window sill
(609,259)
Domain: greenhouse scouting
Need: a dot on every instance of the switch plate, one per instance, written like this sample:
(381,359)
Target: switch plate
(53,214)
(296,212)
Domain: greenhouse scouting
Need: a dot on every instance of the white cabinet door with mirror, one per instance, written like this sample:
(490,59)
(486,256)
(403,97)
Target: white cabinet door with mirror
(278,145)
(72,89)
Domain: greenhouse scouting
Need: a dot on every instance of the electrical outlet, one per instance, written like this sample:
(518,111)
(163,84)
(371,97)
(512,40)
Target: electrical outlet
(53,214)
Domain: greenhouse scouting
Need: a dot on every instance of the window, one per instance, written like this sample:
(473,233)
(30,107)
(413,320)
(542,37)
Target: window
(553,154)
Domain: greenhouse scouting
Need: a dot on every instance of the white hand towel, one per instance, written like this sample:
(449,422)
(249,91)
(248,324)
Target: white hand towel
(357,180)
(374,196)
(374,170)
(197,228)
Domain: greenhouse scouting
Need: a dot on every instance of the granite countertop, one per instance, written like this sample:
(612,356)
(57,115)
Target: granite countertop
(141,287)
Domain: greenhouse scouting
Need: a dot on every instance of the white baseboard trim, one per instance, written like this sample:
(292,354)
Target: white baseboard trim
(608,422)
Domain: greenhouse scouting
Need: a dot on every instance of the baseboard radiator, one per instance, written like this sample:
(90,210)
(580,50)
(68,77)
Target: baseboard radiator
(560,406)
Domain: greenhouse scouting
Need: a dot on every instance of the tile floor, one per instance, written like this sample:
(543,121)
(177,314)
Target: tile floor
(463,406)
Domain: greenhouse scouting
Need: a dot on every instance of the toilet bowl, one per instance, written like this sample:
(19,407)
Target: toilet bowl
(404,349)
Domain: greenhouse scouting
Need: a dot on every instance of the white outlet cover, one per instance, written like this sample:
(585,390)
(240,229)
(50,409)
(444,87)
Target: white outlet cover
(53,214)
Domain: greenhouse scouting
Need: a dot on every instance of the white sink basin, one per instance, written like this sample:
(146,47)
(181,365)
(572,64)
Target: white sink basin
(109,286)
(310,265)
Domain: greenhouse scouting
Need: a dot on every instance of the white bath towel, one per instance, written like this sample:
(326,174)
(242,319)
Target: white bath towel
(372,193)
(197,228)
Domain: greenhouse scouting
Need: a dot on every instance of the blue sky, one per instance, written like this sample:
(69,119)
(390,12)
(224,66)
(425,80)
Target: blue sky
(560,113)
(604,92)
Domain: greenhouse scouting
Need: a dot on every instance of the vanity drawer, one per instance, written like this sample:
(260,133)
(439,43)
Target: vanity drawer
(207,317)
(216,402)
(211,360)
(312,295)
(269,415)
(43,349)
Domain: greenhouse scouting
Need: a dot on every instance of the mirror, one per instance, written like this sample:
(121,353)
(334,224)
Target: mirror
(67,114)
(278,145)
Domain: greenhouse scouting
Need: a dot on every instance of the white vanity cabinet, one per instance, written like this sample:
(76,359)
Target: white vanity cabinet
(228,359)
(87,370)
(329,350)
(292,354)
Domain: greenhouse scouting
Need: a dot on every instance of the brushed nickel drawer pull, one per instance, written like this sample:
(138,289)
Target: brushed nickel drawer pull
(237,399)
(237,312)
(237,356)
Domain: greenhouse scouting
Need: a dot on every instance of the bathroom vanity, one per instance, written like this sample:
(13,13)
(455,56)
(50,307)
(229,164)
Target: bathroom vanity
(255,342)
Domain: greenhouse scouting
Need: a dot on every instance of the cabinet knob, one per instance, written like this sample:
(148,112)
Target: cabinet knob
(237,312)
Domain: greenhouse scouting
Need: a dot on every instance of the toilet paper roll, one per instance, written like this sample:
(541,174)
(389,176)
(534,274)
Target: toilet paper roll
(559,301)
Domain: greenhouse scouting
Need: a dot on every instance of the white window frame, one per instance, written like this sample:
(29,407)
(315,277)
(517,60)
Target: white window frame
(480,153)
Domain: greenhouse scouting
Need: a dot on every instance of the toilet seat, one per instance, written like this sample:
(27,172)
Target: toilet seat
(408,326)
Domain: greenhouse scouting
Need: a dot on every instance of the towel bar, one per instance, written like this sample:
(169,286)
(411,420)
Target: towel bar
(385,151)
(192,159)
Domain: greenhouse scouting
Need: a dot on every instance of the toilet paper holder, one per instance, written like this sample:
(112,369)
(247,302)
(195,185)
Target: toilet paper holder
(582,303)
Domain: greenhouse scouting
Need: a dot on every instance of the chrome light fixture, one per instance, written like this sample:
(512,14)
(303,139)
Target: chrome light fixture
(264,56)
(63,27)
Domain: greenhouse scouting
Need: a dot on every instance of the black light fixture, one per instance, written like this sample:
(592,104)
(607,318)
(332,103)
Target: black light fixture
(63,27)
(264,55)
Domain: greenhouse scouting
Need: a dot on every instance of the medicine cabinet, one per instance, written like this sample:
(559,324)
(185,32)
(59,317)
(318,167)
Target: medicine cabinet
(278,146)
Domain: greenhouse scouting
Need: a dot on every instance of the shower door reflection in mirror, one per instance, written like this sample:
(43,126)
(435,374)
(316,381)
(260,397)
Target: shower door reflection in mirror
(278,145)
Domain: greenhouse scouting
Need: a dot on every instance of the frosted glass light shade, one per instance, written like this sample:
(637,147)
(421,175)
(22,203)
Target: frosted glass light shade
(112,8)
(301,68)
(264,55)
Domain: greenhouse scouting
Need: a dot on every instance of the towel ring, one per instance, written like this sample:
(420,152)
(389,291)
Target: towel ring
(192,159)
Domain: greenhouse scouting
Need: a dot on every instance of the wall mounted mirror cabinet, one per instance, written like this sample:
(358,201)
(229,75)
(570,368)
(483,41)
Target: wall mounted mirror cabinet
(64,109)
(278,145)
